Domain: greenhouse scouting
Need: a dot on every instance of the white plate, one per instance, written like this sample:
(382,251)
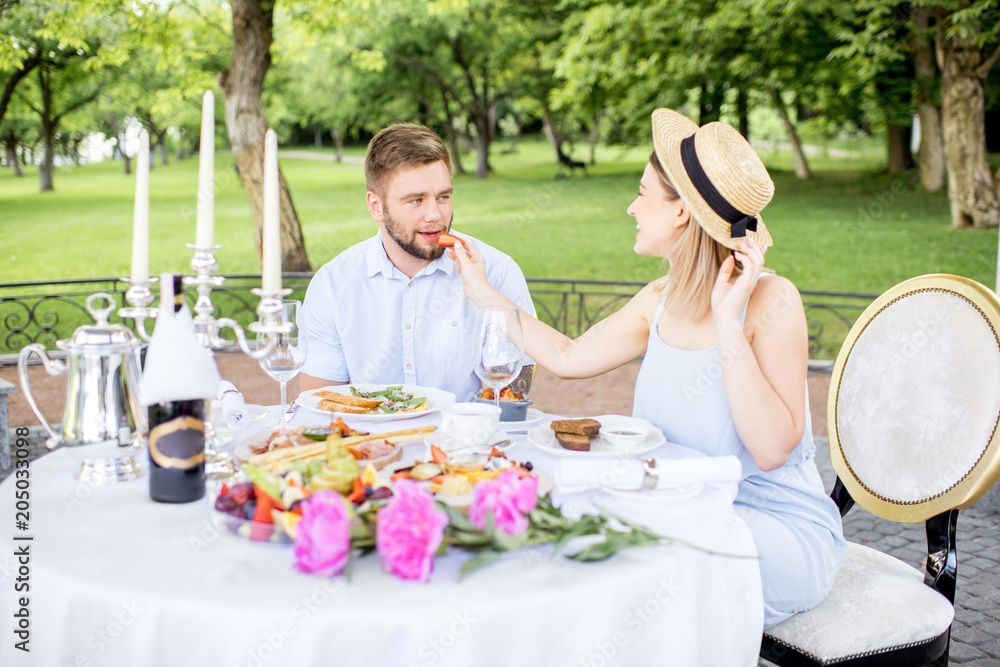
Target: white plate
(447,445)
(436,399)
(543,437)
(531,417)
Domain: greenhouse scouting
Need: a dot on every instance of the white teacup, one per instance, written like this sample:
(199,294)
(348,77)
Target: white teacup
(470,423)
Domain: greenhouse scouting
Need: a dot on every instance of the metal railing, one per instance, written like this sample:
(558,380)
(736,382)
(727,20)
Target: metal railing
(44,312)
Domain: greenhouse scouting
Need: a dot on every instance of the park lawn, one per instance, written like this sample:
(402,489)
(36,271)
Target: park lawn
(850,228)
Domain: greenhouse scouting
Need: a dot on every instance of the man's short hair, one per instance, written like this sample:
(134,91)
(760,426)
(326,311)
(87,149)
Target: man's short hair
(401,147)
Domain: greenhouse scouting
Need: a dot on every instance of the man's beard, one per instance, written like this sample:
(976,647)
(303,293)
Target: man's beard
(409,245)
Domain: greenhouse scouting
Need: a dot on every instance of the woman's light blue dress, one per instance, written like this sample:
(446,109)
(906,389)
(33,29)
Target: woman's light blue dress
(795,525)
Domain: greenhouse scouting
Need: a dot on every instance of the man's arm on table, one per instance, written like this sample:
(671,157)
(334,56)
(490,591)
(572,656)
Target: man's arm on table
(307,382)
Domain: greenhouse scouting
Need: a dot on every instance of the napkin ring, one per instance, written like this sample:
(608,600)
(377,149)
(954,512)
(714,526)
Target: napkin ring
(650,475)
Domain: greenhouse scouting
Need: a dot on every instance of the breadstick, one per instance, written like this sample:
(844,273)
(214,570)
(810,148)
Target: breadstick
(293,453)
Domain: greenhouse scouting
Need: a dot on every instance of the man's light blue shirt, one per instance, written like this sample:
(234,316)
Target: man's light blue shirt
(367,322)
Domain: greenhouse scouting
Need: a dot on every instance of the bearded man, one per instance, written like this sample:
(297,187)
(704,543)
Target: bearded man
(391,309)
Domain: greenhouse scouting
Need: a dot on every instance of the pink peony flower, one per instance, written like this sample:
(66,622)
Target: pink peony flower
(509,497)
(323,541)
(409,530)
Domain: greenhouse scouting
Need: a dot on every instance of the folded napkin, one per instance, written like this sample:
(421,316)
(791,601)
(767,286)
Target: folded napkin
(177,367)
(234,406)
(572,475)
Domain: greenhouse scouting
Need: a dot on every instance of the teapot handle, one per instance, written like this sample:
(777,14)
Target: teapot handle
(53,367)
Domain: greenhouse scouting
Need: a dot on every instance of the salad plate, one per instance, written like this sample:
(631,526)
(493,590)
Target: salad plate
(544,438)
(435,399)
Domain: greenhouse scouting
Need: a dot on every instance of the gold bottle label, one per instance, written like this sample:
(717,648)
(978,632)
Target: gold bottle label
(178,443)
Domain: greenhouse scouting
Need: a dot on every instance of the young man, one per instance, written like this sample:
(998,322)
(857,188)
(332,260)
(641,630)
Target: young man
(392,309)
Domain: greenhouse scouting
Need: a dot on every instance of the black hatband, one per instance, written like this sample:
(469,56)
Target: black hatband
(739,222)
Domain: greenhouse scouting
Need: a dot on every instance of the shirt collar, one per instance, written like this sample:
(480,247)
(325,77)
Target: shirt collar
(377,261)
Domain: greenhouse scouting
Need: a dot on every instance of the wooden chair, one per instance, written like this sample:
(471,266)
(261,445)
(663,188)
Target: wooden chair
(913,416)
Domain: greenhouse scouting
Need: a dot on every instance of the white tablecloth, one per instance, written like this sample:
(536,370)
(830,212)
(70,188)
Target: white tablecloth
(116,579)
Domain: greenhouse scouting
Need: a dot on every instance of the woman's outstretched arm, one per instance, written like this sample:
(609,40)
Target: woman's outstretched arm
(616,340)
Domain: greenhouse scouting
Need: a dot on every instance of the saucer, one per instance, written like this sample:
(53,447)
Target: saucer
(532,417)
(447,444)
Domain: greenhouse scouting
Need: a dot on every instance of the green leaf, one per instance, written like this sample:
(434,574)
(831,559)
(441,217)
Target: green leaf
(476,562)
(506,542)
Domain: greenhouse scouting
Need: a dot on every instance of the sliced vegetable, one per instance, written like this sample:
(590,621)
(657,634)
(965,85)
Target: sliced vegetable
(439,457)
(265,484)
(318,432)
(264,506)
(446,240)
(358,493)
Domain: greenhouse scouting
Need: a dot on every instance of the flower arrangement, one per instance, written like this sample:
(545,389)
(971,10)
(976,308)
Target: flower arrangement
(410,528)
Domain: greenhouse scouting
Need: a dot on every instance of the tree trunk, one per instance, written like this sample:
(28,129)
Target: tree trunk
(125,156)
(900,157)
(549,128)
(743,111)
(595,134)
(451,136)
(970,181)
(338,143)
(930,154)
(11,146)
(48,130)
(482,146)
(712,97)
(801,166)
(318,137)
(161,143)
(243,85)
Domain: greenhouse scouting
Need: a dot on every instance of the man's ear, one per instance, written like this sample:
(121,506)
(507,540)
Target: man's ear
(375,206)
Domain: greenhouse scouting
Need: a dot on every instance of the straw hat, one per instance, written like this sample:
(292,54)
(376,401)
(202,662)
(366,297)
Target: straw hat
(717,173)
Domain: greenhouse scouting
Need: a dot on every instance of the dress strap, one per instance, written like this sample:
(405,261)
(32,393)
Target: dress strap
(659,311)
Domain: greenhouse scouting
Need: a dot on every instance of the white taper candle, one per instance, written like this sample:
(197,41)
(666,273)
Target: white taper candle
(271,237)
(205,222)
(140,219)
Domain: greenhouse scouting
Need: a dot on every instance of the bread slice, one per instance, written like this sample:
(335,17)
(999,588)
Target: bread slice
(589,427)
(333,406)
(575,441)
(356,401)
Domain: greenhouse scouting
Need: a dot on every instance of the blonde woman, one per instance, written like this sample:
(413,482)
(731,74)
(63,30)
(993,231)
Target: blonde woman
(725,347)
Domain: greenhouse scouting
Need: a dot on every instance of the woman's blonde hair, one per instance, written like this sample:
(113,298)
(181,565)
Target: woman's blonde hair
(695,267)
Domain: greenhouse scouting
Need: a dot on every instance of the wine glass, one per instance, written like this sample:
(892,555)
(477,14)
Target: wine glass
(289,353)
(501,345)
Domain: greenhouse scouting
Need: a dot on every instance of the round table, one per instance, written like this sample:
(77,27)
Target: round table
(117,579)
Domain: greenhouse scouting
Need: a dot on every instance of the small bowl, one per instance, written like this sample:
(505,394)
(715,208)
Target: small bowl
(510,411)
(624,435)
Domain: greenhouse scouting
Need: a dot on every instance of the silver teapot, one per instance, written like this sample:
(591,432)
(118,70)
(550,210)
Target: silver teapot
(102,421)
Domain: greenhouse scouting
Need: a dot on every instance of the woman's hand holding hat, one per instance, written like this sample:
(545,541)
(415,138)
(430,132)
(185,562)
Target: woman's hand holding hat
(729,298)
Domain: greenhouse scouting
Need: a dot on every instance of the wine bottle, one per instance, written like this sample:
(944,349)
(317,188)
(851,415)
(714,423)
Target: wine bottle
(177,438)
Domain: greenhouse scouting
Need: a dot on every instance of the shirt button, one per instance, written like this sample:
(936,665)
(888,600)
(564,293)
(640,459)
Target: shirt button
(410,285)
(454,323)
(407,326)
(409,365)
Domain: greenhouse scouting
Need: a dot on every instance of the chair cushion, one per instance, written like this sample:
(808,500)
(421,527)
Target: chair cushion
(919,395)
(877,603)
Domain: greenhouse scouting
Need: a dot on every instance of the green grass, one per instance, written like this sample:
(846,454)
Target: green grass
(850,228)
